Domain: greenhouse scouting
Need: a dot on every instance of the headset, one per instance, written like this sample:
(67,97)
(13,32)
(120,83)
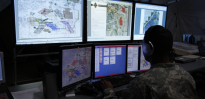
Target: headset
(148,48)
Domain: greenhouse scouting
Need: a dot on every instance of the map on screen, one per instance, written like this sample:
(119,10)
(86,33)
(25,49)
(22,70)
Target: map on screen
(76,65)
(47,19)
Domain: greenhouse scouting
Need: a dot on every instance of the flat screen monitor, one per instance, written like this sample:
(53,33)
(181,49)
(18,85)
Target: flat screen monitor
(133,56)
(147,15)
(48,21)
(75,65)
(109,60)
(109,20)
(2,71)
(144,65)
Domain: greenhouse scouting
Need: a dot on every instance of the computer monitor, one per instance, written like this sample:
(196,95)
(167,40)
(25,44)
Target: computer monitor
(75,65)
(48,21)
(133,56)
(109,20)
(147,15)
(2,70)
(144,65)
(109,60)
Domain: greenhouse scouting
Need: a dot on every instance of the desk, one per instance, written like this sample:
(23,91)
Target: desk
(193,66)
(190,67)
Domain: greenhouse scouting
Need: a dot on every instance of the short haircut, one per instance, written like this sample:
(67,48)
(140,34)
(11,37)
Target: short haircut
(161,38)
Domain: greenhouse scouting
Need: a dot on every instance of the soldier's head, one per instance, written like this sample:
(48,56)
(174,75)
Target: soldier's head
(157,42)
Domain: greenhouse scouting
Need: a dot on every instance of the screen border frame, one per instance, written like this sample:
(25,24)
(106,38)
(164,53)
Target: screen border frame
(2,67)
(98,44)
(149,4)
(83,25)
(59,73)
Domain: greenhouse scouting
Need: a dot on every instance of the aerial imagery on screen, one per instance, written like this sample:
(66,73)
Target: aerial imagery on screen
(48,21)
(109,20)
(147,15)
(76,65)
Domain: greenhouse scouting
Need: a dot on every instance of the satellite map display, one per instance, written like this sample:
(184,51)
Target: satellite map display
(117,20)
(48,18)
(151,18)
(76,65)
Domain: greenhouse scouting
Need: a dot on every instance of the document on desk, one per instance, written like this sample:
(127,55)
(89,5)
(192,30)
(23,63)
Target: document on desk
(34,93)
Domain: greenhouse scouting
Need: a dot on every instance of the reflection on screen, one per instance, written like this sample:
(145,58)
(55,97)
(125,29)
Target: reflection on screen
(132,59)
(110,60)
(109,20)
(1,74)
(76,65)
(144,65)
(48,21)
(147,15)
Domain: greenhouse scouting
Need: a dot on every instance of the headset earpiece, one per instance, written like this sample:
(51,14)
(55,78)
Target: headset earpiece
(148,48)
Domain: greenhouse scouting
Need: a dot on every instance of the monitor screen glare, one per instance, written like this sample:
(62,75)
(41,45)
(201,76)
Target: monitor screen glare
(133,58)
(48,21)
(110,60)
(109,20)
(76,65)
(147,15)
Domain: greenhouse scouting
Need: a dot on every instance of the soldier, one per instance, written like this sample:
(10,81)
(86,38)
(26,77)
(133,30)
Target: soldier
(164,80)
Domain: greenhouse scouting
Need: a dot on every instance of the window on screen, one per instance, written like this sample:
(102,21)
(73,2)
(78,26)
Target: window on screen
(48,21)
(147,15)
(109,20)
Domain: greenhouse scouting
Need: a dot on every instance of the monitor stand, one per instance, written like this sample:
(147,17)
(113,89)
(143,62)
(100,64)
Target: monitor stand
(70,92)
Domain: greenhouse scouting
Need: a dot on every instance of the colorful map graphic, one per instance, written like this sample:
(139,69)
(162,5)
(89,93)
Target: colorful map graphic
(76,65)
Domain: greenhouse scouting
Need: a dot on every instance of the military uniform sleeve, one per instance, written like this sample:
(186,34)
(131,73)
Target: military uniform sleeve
(133,91)
(109,94)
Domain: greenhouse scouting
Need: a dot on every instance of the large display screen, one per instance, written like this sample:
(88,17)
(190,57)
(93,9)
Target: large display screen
(110,60)
(147,15)
(76,65)
(48,21)
(109,20)
(133,58)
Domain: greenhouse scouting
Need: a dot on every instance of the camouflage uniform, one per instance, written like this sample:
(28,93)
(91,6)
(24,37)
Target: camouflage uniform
(162,81)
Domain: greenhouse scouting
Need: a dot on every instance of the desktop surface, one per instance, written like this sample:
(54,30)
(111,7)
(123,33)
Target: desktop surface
(110,60)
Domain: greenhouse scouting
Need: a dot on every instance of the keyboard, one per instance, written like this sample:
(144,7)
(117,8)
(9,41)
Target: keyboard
(115,81)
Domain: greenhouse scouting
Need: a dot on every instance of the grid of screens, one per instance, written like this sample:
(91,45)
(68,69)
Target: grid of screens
(48,21)
(1,71)
(76,65)
(110,60)
(147,15)
(133,58)
(109,20)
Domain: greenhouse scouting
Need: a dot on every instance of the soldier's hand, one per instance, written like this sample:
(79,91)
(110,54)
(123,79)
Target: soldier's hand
(106,84)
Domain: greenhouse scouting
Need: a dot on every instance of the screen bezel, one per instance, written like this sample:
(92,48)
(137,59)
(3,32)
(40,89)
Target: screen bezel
(2,67)
(139,59)
(59,73)
(149,4)
(93,53)
(131,30)
(83,25)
